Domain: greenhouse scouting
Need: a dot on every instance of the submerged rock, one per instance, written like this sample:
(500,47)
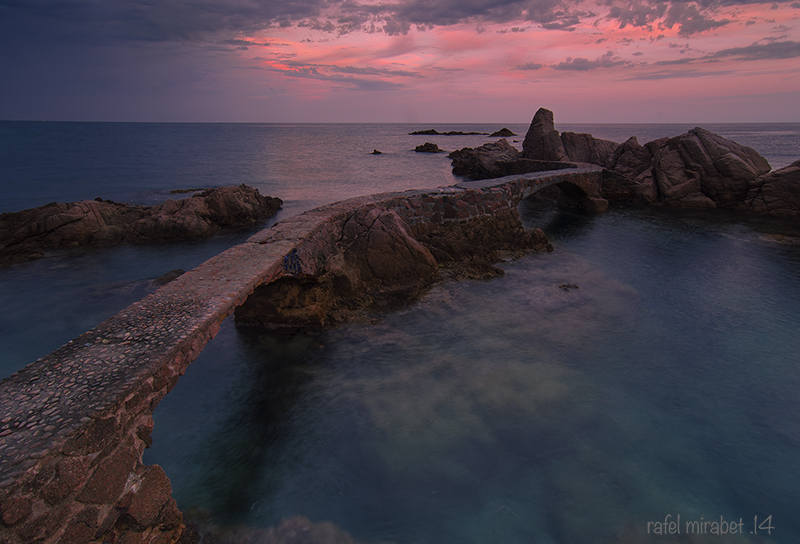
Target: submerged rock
(294,530)
(25,235)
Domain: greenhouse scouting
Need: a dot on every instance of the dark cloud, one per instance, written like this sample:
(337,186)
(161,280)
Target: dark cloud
(149,20)
(637,14)
(373,71)
(182,20)
(609,60)
(529,66)
(756,51)
(331,74)
(641,75)
(316,24)
(690,19)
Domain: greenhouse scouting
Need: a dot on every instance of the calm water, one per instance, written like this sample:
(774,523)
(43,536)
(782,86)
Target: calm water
(501,411)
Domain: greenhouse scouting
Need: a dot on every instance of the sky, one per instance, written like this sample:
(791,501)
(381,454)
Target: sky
(415,61)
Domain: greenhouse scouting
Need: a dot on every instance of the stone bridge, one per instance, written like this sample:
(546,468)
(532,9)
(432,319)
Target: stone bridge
(74,424)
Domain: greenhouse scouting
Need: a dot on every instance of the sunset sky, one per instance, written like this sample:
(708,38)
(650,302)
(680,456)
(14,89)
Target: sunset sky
(416,61)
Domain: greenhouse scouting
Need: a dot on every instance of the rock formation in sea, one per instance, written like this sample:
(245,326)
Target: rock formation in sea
(498,159)
(434,132)
(502,133)
(428,147)
(27,234)
(381,261)
(698,169)
(776,193)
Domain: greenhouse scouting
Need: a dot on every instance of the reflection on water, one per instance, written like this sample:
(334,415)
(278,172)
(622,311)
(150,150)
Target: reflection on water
(662,381)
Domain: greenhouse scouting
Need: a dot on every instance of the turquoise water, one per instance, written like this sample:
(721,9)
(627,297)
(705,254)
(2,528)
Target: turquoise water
(502,411)
(513,410)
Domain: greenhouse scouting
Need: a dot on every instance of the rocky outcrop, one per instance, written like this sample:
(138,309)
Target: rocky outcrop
(698,169)
(502,133)
(776,193)
(428,147)
(25,235)
(542,141)
(434,132)
(381,261)
(497,159)
(587,148)
(701,169)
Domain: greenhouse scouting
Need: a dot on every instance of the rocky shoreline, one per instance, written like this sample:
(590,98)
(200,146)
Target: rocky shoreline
(27,234)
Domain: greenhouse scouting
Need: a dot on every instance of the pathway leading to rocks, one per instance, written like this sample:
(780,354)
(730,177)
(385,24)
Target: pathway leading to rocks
(74,424)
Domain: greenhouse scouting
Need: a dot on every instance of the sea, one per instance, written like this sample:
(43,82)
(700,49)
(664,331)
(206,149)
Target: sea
(661,386)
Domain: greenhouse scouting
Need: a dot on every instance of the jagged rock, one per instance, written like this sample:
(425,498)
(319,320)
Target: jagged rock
(776,193)
(702,169)
(27,234)
(380,260)
(378,243)
(377,260)
(542,142)
(498,159)
(481,240)
(491,160)
(587,148)
(428,147)
(697,169)
(502,133)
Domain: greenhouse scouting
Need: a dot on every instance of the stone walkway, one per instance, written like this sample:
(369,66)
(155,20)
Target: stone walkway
(118,371)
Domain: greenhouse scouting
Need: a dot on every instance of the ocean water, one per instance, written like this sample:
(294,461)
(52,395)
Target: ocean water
(510,410)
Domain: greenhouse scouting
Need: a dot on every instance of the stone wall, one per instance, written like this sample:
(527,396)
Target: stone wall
(74,424)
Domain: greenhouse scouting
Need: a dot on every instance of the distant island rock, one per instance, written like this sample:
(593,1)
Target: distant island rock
(26,234)
(698,169)
(502,133)
(428,147)
(434,132)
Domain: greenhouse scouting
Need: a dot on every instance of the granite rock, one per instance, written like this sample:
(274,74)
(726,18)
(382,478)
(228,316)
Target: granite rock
(27,234)
(587,148)
(776,193)
(542,141)
(428,147)
(498,159)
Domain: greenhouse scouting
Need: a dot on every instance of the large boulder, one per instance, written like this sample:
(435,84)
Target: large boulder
(498,159)
(542,141)
(378,244)
(491,160)
(700,168)
(776,193)
(587,148)
(27,234)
